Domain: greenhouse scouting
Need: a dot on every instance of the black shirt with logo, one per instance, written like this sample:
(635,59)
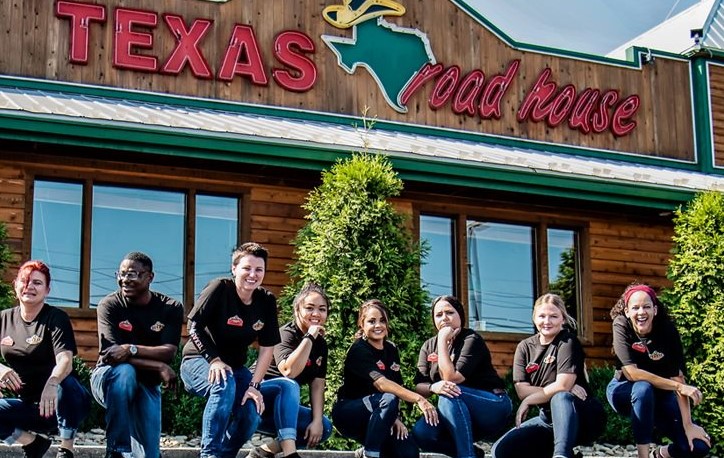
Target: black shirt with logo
(316,365)
(539,364)
(154,324)
(29,348)
(364,365)
(469,355)
(221,325)
(660,352)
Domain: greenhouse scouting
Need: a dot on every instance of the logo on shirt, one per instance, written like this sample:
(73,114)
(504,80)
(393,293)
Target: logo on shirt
(235,321)
(639,347)
(309,363)
(531,367)
(656,355)
(157,326)
(432,358)
(126,325)
(7,341)
(395,367)
(34,339)
(549,359)
(258,325)
(380,365)
(319,361)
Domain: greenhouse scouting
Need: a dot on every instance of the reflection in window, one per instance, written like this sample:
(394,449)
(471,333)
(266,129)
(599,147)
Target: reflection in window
(501,283)
(563,267)
(125,220)
(437,270)
(57,210)
(216,236)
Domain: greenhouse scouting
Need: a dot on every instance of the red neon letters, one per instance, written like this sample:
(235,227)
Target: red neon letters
(134,31)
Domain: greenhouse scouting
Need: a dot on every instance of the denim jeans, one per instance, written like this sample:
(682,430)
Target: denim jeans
(473,415)
(570,421)
(283,415)
(227,423)
(133,410)
(369,420)
(73,406)
(650,407)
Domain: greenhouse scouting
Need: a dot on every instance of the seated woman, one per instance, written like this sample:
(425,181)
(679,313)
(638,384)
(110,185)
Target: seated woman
(549,371)
(367,407)
(37,343)
(649,384)
(456,365)
(300,359)
(229,315)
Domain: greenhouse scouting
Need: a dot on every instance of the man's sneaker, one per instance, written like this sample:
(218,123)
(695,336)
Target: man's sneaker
(64,453)
(37,448)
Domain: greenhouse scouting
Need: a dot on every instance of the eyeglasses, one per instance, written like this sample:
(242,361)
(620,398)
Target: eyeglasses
(129,275)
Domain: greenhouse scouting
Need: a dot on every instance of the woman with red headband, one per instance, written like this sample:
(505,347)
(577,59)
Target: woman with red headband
(649,384)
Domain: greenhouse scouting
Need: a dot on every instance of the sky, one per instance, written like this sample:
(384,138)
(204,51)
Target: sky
(589,26)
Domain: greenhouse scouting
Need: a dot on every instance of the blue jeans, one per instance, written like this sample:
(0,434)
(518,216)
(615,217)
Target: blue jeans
(227,423)
(73,406)
(650,407)
(369,420)
(569,422)
(133,410)
(284,416)
(465,419)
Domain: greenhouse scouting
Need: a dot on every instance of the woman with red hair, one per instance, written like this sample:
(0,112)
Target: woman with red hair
(37,343)
(649,384)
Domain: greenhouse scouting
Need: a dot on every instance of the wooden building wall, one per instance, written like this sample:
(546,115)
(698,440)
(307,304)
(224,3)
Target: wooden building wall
(621,247)
(716,95)
(36,44)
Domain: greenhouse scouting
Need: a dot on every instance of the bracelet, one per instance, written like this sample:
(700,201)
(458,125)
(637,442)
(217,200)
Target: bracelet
(254,385)
(308,336)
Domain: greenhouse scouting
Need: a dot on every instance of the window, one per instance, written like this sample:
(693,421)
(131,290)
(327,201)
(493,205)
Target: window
(438,269)
(504,267)
(125,219)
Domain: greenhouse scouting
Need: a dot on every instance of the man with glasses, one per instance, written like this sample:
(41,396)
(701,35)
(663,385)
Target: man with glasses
(139,332)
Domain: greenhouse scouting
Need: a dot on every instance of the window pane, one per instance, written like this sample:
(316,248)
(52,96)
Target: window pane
(125,220)
(437,270)
(216,235)
(500,277)
(563,267)
(57,210)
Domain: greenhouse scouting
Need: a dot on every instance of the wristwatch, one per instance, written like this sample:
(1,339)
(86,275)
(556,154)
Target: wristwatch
(254,385)
(133,349)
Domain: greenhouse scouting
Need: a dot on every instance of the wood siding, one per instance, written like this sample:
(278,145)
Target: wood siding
(620,247)
(716,94)
(36,43)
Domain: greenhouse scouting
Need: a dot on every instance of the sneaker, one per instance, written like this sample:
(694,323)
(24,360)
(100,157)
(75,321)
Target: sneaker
(359,453)
(37,448)
(114,454)
(64,453)
(479,451)
(258,452)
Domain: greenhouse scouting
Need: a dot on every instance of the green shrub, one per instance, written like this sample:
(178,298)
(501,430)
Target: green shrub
(358,247)
(7,296)
(181,412)
(696,301)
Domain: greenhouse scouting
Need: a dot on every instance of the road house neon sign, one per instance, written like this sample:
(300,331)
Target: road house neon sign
(590,110)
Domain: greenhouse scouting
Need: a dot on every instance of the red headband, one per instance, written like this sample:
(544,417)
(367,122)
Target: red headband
(647,289)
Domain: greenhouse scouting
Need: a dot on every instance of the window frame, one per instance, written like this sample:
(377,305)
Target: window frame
(87,178)
(540,222)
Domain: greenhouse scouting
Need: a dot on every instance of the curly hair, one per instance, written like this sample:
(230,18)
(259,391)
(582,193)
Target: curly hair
(619,308)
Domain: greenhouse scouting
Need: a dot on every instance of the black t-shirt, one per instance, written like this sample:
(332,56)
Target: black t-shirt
(316,366)
(30,348)
(221,325)
(154,324)
(539,364)
(660,352)
(364,365)
(469,355)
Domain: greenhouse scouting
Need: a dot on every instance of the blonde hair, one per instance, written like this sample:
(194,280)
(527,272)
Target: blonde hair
(555,299)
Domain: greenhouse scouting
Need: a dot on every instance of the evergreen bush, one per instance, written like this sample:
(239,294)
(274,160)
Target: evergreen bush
(7,295)
(696,301)
(358,247)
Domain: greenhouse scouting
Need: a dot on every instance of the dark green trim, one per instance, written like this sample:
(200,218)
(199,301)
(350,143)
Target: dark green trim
(262,110)
(702,115)
(116,136)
